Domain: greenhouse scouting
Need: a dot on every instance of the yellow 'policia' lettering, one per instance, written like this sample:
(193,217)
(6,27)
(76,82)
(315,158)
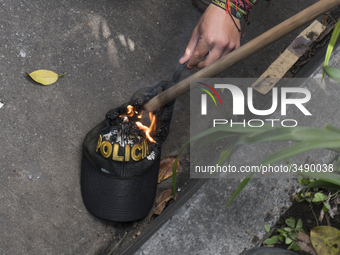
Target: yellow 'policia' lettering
(137,152)
(145,149)
(106,149)
(99,143)
(115,156)
(134,155)
(127,152)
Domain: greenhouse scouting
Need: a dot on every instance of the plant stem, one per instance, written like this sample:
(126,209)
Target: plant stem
(317,222)
(334,194)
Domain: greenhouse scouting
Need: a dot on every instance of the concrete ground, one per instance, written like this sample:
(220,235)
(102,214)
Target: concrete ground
(202,224)
(108,49)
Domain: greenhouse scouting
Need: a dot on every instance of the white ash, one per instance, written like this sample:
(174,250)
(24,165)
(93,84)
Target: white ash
(152,156)
(108,136)
(117,137)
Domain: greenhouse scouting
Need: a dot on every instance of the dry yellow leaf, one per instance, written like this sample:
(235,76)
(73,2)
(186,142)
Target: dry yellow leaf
(325,240)
(44,77)
(165,194)
(165,168)
(163,200)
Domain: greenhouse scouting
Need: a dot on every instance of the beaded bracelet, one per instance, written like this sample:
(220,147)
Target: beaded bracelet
(238,8)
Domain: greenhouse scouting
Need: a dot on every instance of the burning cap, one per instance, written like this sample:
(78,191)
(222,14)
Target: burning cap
(121,157)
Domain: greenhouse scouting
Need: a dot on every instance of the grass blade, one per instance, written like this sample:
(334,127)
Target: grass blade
(331,44)
(240,187)
(225,155)
(298,148)
(332,128)
(293,134)
(332,72)
(322,184)
(329,177)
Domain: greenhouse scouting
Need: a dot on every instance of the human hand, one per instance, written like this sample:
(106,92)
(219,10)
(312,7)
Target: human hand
(214,36)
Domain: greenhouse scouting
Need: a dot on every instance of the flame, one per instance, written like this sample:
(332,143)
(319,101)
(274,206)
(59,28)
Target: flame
(129,112)
(153,122)
(147,130)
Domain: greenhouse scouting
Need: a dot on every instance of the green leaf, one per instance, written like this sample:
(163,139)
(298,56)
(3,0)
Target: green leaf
(44,77)
(225,156)
(290,222)
(332,72)
(308,194)
(291,134)
(288,240)
(267,228)
(293,246)
(284,235)
(272,240)
(288,229)
(299,224)
(308,199)
(331,44)
(292,235)
(326,207)
(329,177)
(323,183)
(319,197)
(213,138)
(240,187)
(304,181)
(300,147)
(300,230)
(332,128)
(281,238)
(281,231)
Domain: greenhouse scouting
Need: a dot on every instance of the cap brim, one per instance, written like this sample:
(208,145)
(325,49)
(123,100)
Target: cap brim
(118,199)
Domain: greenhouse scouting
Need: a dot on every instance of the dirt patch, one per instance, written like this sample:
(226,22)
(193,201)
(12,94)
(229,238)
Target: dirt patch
(309,214)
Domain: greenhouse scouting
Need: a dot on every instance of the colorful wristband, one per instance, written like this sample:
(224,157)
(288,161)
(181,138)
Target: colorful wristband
(238,8)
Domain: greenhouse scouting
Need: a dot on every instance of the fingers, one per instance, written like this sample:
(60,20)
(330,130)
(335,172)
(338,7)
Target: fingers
(230,48)
(200,52)
(191,47)
(215,35)
(214,54)
(203,49)
(199,47)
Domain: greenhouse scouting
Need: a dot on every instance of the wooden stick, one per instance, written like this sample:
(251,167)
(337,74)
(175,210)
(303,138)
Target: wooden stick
(244,51)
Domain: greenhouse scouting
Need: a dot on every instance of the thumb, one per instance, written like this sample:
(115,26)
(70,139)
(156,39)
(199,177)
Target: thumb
(185,57)
(191,46)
